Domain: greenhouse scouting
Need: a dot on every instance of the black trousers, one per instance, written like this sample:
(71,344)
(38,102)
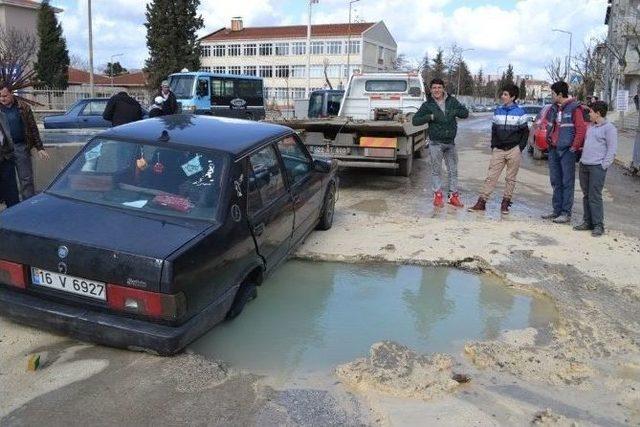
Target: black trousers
(8,185)
(592,182)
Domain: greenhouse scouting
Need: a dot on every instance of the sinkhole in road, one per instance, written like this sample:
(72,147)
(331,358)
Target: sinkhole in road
(312,316)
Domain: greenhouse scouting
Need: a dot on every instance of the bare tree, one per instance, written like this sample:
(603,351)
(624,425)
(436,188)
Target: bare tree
(325,63)
(79,62)
(554,70)
(589,65)
(17,50)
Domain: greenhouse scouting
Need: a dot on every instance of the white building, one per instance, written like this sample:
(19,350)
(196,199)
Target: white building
(622,68)
(279,54)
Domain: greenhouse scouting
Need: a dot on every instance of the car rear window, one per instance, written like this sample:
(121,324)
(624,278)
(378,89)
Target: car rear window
(385,86)
(149,178)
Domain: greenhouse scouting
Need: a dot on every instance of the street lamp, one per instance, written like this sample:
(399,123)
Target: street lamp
(567,63)
(90,50)
(111,66)
(351,2)
(459,63)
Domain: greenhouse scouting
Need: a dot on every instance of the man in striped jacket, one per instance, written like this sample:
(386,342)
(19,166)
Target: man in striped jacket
(509,134)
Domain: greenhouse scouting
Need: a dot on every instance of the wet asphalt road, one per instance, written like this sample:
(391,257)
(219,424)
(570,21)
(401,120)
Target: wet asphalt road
(376,192)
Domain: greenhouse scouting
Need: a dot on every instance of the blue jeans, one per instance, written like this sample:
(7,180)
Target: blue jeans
(447,152)
(562,172)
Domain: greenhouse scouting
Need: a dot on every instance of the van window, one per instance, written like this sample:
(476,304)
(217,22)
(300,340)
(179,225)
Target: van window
(315,105)
(385,86)
(182,86)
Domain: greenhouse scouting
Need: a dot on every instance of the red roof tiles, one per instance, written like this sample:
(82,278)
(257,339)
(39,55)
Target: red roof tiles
(294,31)
(80,77)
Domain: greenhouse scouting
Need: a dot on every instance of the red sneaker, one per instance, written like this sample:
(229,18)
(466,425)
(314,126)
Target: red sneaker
(438,199)
(454,200)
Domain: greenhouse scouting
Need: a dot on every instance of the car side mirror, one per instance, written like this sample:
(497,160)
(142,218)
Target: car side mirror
(323,166)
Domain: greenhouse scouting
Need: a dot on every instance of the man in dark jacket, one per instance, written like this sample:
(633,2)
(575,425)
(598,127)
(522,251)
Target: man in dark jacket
(509,134)
(440,111)
(8,185)
(122,109)
(25,136)
(170,104)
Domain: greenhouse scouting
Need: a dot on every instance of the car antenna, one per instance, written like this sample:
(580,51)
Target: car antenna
(164,136)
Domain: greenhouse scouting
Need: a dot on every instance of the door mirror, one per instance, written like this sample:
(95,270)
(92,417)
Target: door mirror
(323,166)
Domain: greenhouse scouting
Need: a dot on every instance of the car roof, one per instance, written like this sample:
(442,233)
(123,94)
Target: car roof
(221,75)
(232,136)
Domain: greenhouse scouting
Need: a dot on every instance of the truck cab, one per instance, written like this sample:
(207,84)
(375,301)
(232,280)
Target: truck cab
(325,103)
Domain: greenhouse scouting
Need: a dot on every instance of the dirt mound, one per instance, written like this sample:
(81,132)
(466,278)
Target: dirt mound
(396,370)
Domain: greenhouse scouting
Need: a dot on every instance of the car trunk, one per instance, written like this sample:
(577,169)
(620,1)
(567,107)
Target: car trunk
(103,244)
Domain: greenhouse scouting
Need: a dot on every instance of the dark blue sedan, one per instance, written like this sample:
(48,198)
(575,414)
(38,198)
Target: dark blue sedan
(159,229)
(86,113)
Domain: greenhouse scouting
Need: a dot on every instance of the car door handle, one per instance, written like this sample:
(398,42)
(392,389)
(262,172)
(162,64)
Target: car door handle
(258,229)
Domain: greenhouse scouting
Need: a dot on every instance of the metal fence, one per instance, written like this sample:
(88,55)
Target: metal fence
(61,100)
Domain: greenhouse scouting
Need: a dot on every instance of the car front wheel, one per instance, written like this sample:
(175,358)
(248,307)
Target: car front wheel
(326,218)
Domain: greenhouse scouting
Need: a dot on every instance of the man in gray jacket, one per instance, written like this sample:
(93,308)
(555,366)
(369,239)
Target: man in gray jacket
(8,184)
(601,143)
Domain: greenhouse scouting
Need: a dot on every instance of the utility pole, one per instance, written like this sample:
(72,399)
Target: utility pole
(91,92)
(309,50)
(349,41)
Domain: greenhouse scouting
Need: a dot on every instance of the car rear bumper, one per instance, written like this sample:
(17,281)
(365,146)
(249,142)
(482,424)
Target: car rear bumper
(111,329)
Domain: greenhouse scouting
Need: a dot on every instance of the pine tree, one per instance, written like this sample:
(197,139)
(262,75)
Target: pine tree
(523,89)
(52,62)
(425,70)
(116,69)
(438,68)
(508,76)
(466,79)
(171,38)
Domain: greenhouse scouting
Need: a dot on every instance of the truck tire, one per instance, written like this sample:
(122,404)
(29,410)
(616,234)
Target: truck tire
(406,166)
(328,208)
(537,153)
(247,292)
(419,154)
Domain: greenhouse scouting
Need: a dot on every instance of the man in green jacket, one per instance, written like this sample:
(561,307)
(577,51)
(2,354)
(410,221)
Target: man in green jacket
(441,112)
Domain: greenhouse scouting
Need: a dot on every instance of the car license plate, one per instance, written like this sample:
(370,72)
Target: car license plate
(74,285)
(329,151)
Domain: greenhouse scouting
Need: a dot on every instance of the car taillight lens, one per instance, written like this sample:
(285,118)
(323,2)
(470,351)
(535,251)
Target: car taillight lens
(13,274)
(152,304)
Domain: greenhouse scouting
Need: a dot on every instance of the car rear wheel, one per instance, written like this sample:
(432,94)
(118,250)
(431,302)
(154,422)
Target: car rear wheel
(326,219)
(248,291)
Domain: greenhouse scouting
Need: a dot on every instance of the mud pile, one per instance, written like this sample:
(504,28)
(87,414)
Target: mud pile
(396,370)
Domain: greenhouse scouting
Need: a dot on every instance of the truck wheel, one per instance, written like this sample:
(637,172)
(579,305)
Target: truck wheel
(328,209)
(247,292)
(406,165)
(537,154)
(419,154)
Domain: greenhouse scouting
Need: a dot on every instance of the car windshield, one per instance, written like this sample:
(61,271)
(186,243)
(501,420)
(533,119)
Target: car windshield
(149,178)
(182,86)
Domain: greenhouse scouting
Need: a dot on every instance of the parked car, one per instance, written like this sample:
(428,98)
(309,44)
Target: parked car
(164,228)
(86,113)
(531,112)
(537,144)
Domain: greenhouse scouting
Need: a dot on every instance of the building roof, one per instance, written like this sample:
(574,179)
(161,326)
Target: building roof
(81,77)
(28,4)
(288,32)
(232,136)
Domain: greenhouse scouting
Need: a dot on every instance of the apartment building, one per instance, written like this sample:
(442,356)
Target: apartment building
(622,69)
(279,54)
(21,15)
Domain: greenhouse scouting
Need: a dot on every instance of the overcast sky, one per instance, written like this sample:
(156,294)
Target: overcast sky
(499,31)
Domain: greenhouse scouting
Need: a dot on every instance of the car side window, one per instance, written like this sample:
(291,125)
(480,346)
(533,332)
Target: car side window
(266,183)
(296,160)
(94,108)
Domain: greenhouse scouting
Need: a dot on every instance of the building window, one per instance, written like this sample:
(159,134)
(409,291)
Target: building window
(206,51)
(282,49)
(316,71)
(233,50)
(235,69)
(219,70)
(333,70)
(380,53)
(205,69)
(266,49)
(317,48)
(250,70)
(354,47)
(250,49)
(334,48)
(299,48)
(219,50)
(265,71)
(282,71)
(297,93)
(297,71)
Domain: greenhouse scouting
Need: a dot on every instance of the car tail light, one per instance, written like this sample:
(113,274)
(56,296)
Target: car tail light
(152,304)
(13,274)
